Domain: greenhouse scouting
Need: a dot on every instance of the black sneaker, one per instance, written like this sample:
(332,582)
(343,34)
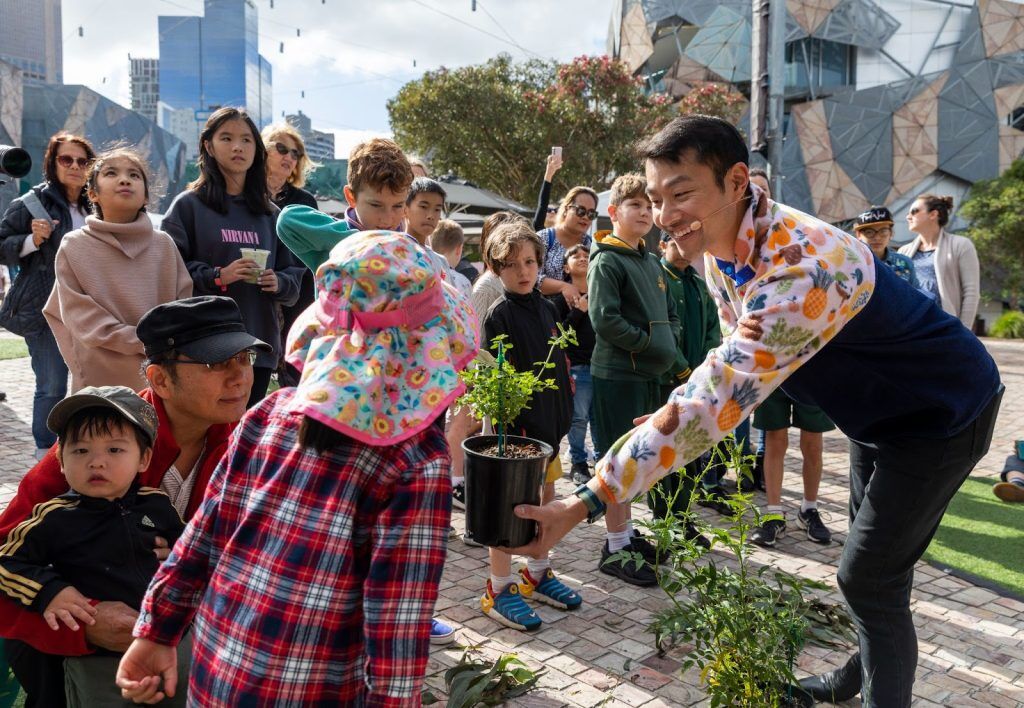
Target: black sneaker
(469,541)
(459,496)
(817,531)
(693,534)
(715,498)
(772,529)
(627,570)
(641,545)
(580,473)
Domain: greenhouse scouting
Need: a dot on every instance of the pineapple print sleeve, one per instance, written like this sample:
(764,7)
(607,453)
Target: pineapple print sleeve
(792,286)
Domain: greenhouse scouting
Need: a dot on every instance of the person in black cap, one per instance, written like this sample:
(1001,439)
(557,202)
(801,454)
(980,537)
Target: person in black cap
(874,228)
(96,541)
(200,375)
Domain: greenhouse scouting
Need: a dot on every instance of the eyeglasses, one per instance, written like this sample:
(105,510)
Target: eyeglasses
(68,161)
(242,358)
(283,149)
(583,212)
(868,233)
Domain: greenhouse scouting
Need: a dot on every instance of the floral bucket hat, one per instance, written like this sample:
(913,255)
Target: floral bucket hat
(381,347)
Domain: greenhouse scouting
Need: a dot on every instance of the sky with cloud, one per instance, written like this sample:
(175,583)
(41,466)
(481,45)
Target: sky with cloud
(351,56)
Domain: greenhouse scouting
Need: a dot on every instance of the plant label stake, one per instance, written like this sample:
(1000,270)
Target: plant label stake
(501,380)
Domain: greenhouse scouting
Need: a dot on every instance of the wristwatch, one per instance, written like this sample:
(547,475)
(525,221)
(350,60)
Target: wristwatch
(595,507)
(217,281)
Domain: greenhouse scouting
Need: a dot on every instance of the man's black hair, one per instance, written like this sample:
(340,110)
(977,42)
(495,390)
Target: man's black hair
(714,142)
(425,185)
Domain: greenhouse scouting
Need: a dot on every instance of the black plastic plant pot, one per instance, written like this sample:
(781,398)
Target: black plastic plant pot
(495,485)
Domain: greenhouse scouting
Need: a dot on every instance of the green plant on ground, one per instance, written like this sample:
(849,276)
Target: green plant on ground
(496,391)
(478,682)
(1010,325)
(746,623)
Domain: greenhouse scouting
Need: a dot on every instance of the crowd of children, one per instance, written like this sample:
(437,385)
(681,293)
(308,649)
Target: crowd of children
(309,570)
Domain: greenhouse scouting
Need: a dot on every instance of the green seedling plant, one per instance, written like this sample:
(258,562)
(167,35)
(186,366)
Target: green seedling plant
(744,623)
(496,391)
(478,682)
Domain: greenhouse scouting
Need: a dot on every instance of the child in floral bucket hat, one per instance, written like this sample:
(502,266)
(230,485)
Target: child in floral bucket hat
(312,567)
(379,353)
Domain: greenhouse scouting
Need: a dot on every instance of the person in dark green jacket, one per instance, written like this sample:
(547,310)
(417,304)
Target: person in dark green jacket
(701,333)
(636,340)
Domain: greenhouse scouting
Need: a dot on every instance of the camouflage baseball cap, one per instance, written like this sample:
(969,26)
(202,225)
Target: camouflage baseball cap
(121,398)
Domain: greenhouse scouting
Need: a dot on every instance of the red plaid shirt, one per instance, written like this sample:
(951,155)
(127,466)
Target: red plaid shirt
(287,553)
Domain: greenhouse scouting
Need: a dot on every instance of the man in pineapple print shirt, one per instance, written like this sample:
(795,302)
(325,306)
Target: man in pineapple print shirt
(810,309)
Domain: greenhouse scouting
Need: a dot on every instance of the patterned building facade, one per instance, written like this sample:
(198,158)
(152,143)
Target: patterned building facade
(884,100)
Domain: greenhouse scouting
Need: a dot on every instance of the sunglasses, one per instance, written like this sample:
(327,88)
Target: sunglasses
(283,149)
(68,161)
(583,212)
(552,210)
(242,358)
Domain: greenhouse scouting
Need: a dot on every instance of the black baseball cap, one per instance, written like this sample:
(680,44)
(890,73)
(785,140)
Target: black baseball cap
(875,216)
(207,328)
(120,398)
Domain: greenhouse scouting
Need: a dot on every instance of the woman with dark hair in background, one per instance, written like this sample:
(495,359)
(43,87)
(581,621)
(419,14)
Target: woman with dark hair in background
(30,241)
(288,165)
(228,209)
(946,265)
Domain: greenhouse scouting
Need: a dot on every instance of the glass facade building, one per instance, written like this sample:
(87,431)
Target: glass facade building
(213,61)
(30,39)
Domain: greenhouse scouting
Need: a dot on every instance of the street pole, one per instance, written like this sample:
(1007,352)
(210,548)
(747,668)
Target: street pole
(759,77)
(776,92)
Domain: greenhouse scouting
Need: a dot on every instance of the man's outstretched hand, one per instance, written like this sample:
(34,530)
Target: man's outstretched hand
(554,521)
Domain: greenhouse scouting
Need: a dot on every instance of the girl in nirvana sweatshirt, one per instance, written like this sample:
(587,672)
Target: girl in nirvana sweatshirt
(226,209)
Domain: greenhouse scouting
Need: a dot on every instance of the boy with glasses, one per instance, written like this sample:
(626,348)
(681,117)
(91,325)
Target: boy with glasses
(874,228)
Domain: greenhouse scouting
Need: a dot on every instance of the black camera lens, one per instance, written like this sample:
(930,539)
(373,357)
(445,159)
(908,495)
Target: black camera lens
(14,161)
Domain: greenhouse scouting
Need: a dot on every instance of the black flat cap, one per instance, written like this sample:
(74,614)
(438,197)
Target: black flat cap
(207,328)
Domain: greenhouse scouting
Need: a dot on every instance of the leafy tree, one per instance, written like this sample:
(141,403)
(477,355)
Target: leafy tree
(993,208)
(713,99)
(495,123)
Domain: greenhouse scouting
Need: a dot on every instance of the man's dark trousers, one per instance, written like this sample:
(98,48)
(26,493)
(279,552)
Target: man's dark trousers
(899,491)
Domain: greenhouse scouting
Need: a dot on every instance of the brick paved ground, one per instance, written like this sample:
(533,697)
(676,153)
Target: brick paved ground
(971,640)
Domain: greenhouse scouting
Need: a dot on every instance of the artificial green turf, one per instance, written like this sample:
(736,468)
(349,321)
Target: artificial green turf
(983,536)
(12,348)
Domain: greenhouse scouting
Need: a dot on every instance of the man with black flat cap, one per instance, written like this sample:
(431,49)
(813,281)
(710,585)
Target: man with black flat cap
(199,368)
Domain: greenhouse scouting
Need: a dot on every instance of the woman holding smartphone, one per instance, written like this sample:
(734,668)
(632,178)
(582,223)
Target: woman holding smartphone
(224,227)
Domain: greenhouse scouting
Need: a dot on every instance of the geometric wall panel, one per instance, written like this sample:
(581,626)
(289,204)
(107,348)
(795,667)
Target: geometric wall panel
(968,137)
(637,45)
(1002,25)
(915,138)
(862,144)
(834,194)
(723,44)
(860,23)
(1011,140)
(809,14)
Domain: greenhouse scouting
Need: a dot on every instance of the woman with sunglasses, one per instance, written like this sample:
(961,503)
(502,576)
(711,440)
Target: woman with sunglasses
(946,264)
(575,215)
(288,165)
(228,209)
(30,242)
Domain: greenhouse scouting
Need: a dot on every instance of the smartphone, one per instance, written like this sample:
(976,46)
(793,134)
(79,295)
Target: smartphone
(557,152)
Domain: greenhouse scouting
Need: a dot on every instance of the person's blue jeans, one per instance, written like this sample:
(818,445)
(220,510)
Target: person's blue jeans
(51,383)
(582,410)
